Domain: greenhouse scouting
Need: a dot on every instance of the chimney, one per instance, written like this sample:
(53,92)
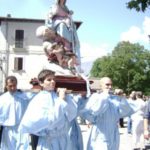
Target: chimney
(8,15)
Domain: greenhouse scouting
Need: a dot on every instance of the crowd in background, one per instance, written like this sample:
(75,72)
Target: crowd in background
(46,118)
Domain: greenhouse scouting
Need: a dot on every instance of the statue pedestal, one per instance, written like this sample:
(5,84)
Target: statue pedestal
(66,79)
(75,84)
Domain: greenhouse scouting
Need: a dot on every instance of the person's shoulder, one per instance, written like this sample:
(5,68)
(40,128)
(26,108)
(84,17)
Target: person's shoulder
(95,94)
(5,94)
(114,96)
(99,95)
(6,97)
(19,92)
(43,94)
(148,103)
(117,97)
(70,95)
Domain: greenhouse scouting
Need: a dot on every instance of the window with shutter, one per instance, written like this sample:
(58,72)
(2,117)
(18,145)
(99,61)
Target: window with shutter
(18,63)
(19,38)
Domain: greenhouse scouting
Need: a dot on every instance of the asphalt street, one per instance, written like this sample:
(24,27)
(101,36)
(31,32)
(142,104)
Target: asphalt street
(125,138)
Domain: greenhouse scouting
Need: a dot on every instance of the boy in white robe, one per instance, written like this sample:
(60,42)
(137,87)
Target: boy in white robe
(48,115)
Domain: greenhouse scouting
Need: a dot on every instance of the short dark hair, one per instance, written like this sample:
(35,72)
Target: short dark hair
(34,81)
(11,78)
(59,1)
(139,94)
(44,73)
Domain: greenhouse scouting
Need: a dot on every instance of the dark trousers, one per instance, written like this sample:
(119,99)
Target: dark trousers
(121,122)
(1,130)
(34,141)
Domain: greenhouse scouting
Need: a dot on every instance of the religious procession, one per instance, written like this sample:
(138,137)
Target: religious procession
(49,116)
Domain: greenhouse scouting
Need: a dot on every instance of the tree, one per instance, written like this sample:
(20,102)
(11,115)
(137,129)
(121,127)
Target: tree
(138,5)
(128,66)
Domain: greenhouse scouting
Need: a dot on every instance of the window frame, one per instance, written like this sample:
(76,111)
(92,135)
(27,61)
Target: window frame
(19,63)
(19,38)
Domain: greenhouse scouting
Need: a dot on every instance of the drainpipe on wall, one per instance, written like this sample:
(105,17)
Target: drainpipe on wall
(1,74)
(7,46)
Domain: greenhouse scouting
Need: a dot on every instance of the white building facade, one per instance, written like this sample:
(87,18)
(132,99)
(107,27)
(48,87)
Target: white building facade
(21,52)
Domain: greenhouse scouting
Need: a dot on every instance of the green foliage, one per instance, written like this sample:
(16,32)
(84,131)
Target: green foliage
(128,66)
(138,5)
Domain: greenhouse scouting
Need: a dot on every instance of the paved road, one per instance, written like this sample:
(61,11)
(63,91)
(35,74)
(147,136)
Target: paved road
(125,139)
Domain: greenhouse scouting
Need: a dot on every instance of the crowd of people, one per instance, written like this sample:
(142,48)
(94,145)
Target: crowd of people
(46,118)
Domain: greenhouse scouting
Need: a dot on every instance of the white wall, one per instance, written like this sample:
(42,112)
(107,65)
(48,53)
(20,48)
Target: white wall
(33,54)
(33,65)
